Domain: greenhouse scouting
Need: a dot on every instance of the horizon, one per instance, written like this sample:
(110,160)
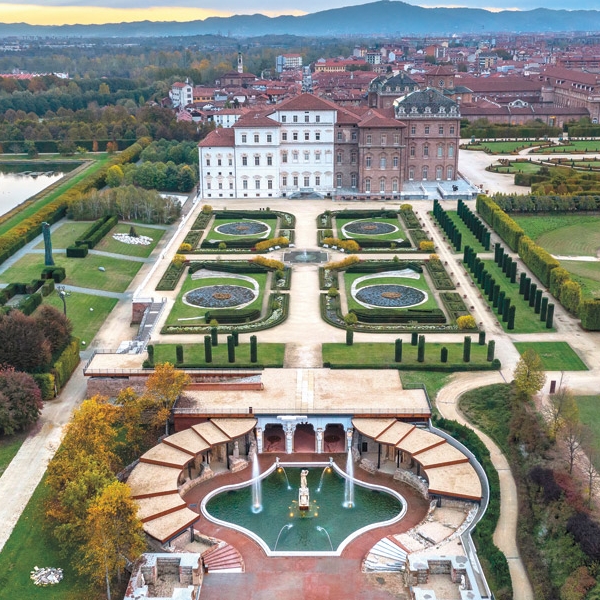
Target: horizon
(85,12)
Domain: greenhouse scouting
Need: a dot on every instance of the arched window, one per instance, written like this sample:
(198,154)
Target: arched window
(394,185)
(382,162)
(382,184)
(367,185)
(338,180)
(450,174)
(368,161)
(439,173)
(424,174)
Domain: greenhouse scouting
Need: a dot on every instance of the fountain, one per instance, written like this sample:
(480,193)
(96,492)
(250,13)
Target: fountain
(327,469)
(256,485)
(303,493)
(281,469)
(349,484)
(287,527)
(321,530)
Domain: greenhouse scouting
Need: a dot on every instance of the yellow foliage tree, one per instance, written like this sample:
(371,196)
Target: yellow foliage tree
(114,535)
(466,322)
(529,374)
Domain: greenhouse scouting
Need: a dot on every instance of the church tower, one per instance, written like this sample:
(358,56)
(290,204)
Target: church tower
(240,68)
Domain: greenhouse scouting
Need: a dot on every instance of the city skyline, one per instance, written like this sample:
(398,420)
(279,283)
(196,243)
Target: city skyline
(67,12)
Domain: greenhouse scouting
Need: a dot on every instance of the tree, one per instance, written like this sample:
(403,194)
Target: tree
(114,176)
(55,326)
(562,408)
(529,376)
(573,437)
(163,387)
(114,535)
(20,401)
(22,343)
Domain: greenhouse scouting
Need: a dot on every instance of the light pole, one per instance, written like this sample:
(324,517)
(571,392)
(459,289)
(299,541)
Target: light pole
(63,293)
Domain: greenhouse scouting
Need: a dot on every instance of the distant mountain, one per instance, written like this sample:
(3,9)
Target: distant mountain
(383,17)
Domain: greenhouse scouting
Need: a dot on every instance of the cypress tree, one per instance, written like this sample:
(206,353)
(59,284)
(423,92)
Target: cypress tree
(544,308)
(349,336)
(505,310)
(482,338)
(490,350)
(230,349)
(532,292)
(501,297)
(550,317)
(214,336)
(236,337)
(513,271)
(526,288)
(495,294)
(207,349)
(179,353)
(421,349)
(444,355)
(398,351)
(511,317)
(538,302)
(253,349)
(414,338)
(467,349)
(150,349)
(522,283)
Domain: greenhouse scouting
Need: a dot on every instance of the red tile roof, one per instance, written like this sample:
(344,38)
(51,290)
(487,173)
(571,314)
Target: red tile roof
(222,137)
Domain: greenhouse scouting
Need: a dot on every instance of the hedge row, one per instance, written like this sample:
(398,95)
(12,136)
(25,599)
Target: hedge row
(536,203)
(233,266)
(229,317)
(439,275)
(454,305)
(97,231)
(382,315)
(378,266)
(500,222)
(67,362)
(192,238)
(495,365)
(54,146)
(410,219)
(46,383)
(537,259)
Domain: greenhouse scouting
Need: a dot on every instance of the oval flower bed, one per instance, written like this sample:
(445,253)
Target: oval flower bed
(220,296)
(368,228)
(390,295)
(241,228)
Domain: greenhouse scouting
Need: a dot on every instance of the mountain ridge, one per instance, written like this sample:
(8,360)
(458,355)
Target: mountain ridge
(383,17)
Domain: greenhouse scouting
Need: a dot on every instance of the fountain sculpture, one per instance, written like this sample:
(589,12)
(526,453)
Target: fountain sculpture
(303,493)
(256,483)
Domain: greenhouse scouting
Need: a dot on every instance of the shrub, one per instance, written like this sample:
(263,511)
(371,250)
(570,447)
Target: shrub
(426,246)
(350,319)
(207,209)
(22,344)
(67,362)
(55,326)
(263,245)
(570,296)
(342,264)
(179,260)
(185,247)
(45,381)
(589,313)
(346,245)
(406,207)
(20,401)
(466,322)
(222,246)
(77,251)
(537,259)
(333,292)
(270,263)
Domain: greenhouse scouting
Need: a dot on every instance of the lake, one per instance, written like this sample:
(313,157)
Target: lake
(20,182)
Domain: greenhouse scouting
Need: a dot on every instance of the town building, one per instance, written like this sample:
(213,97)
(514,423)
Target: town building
(181,94)
(286,62)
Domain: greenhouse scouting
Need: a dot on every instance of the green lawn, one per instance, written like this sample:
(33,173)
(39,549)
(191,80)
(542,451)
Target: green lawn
(587,274)
(382,279)
(215,235)
(589,415)
(433,381)
(109,244)
(575,146)
(395,236)
(269,355)
(555,356)
(504,147)
(30,545)
(53,195)
(468,239)
(382,355)
(86,323)
(81,272)
(184,311)
(526,321)
(66,234)
(9,446)
(518,167)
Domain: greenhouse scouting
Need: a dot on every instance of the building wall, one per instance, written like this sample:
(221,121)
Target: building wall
(380,160)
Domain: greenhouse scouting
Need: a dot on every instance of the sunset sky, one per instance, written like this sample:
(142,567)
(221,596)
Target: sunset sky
(60,12)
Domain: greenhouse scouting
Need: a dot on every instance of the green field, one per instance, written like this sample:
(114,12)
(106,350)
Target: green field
(30,545)
(589,415)
(395,236)
(568,235)
(555,356)
(518,167)
(82,272)
(433,381)
(86,323)
(215,235)
(67,232)
(195,314)
(9,446)
(420,284)
(109,244)
(587,274)
(468,239)
(575,146)
(503,147)
(381,355)
(269,355)
(526,321)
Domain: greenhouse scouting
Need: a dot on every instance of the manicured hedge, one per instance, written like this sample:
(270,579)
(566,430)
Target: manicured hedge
(234,266)
(30,303)
(97,231)
(377,266)
(537,259)
(439,275)
(228,317)
(77,251)
(168,282)
(382,315)
(504,226)
(66,363)
(589,313)
(45,381)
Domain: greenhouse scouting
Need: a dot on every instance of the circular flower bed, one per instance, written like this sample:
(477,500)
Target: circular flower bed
(139,240)
(369,228)
(219,296)
(390,295)
(240,228)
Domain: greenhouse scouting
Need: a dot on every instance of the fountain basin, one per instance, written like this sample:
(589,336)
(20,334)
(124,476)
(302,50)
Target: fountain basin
(373,506)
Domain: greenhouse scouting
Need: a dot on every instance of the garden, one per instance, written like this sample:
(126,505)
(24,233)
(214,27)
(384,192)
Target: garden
(506,146)
(555,356)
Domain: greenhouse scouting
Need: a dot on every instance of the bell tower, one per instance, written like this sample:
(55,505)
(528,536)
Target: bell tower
(240,68)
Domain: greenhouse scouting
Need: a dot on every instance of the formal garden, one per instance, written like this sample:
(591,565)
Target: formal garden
(505,146)
(370,230)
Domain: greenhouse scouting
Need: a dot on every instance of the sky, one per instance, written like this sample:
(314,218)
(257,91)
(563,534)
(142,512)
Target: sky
(62,12)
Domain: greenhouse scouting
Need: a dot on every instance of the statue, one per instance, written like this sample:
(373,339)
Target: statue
(303,493)
(303,475)
(48,260)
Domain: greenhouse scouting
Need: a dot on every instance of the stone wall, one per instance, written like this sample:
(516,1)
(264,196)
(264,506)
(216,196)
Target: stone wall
(111,386)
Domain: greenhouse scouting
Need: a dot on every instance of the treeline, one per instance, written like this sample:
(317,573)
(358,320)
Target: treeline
(129,203)
(539,203)
(482,128)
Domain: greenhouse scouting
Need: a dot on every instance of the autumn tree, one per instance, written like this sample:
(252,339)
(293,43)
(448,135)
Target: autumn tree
(529,376)
(20,401)
(114,535)
(163,387)
(22,343)
(562,408)
(114,176)
(55,326)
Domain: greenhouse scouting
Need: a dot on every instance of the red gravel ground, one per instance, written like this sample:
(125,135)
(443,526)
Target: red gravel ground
(311,578)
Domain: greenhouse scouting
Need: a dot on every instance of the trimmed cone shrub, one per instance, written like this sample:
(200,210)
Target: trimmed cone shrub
(550,316)
(230,349)
(214,336)
(414,338)
(490,350)
(207,348)
(253,349)
(421,349)
(349,336)
(481,341)
(179,353)
(467,349)
(444,355)
(398,350)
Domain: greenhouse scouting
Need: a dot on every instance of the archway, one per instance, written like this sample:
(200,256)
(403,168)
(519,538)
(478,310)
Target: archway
(304,438)
(274,438)
(334,438)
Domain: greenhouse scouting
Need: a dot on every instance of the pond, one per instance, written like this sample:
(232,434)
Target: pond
(22,181)
(305,531)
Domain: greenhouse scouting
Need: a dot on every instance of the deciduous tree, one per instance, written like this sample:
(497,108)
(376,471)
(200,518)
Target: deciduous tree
(20,401)
(55,326)
(529,374)
(22,343)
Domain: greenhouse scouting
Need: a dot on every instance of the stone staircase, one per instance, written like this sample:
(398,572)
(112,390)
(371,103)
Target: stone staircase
(223,558)
(385,556)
